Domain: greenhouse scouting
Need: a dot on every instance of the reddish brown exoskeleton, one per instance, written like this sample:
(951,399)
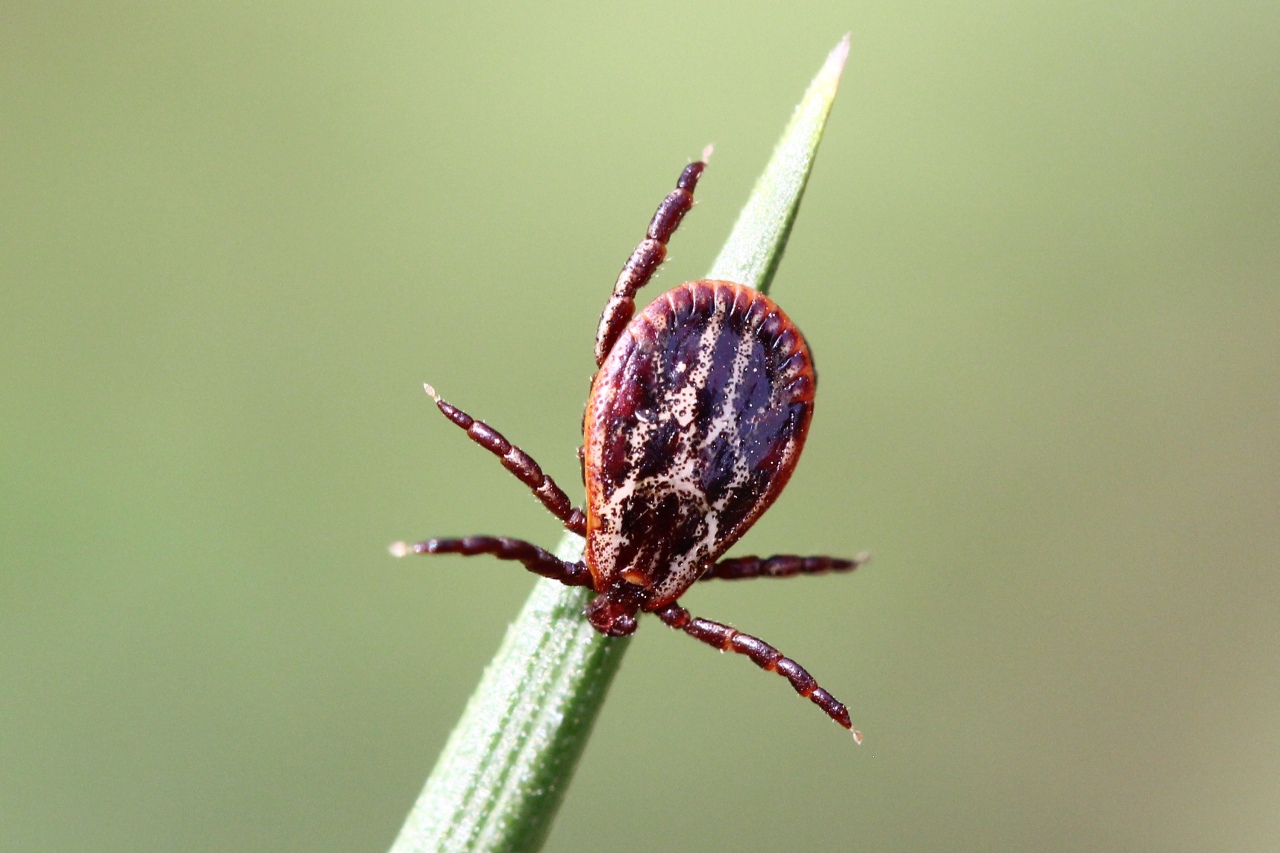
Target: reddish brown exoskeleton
(697,415)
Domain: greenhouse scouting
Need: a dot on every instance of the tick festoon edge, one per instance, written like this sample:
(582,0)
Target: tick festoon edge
(698,411)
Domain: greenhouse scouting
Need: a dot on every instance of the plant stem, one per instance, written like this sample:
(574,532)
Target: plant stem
(503,773)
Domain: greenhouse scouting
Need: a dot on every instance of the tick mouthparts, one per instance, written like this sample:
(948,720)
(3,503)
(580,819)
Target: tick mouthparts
(399,549)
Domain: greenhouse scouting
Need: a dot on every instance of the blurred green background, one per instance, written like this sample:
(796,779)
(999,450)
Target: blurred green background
(1038,264)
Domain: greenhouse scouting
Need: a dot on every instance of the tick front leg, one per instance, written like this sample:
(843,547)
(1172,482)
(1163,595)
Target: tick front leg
(765,656)
(517,462)
(535,559)
(780,566)
(647,257)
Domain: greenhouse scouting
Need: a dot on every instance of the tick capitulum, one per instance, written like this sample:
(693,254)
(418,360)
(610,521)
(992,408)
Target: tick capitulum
(697,415)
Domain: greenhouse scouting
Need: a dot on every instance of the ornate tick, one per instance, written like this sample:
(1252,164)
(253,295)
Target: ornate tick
(697,414)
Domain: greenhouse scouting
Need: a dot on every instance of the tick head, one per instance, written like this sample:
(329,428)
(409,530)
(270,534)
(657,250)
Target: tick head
(613,612)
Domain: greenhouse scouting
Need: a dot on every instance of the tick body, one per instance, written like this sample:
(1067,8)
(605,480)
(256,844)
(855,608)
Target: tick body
(697,414)
(694,424)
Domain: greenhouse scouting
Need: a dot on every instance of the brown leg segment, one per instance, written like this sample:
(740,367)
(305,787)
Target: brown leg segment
(765,656)
(780,566)
(647,257)
(517,462)
(535,559)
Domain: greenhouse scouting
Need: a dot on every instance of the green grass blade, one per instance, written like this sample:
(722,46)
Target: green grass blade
(754,249)
(504,771)
(502,774)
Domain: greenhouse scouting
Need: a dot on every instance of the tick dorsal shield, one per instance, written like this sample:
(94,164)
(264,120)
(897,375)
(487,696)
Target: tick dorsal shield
(694,424)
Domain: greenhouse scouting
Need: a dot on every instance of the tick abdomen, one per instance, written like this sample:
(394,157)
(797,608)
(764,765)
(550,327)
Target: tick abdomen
(693,427)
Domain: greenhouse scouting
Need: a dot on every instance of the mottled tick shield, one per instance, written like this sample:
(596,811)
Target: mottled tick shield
(695,423)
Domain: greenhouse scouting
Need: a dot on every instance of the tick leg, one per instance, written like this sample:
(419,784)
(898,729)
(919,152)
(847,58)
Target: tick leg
(535,559)
(780,566)
(765,656)
(517,462)
(647,257)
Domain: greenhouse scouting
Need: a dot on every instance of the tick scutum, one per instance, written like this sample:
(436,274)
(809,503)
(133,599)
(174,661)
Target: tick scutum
(693,427)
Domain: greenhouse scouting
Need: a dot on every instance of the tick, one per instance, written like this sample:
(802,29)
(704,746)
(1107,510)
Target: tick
(698,411)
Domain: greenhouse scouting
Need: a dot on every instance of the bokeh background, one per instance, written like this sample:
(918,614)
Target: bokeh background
(1038,264)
